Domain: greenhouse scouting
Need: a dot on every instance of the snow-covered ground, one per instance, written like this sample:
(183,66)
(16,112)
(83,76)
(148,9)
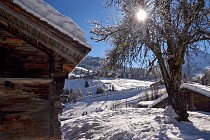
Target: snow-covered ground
(107,84)
(110,116)
(136,124)
(122,96)
(125,84)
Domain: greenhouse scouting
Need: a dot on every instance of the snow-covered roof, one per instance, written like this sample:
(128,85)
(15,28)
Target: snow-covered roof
(48,14)
(83,69)
(145,103)
(158,100)
(207,68)
(202,89)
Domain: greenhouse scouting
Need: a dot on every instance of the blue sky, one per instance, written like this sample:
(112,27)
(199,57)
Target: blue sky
(80,11)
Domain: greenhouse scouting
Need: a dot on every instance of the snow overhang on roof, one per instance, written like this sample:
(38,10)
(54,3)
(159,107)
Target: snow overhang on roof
(201,89)
(38,23)
(48,14)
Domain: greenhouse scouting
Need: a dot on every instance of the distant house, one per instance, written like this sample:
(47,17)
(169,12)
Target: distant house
(196,97)
(38,48)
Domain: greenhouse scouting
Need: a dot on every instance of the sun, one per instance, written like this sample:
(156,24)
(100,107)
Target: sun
(141,15)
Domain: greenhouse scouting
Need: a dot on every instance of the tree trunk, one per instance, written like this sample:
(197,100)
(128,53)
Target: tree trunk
(176,101)
(173,77)
(173,89)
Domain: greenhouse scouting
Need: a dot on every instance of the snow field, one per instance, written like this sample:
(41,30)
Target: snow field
(106,118)
(136,124)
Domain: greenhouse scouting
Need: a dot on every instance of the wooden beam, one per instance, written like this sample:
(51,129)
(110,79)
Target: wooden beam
(33,42)
(4,23)
(26,80)
(55,34)
(10,40)
(25,35)
(52,67)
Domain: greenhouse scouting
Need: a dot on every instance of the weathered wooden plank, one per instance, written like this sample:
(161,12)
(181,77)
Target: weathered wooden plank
(32,31)
(57,50)
(27,116)
(44,36)
(26,80)
(23,61)
(45,29)
(13,40)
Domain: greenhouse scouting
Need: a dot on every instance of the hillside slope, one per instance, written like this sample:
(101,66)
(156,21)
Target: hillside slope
(91,63)
(196,63)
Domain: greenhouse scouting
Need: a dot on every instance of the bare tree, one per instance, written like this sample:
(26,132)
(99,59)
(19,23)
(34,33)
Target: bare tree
(171,28)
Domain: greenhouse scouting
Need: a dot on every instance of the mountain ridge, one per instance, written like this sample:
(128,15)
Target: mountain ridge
(194,64)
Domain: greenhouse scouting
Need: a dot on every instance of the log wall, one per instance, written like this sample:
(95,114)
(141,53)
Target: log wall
(31,48)
(27,109)
(195,101)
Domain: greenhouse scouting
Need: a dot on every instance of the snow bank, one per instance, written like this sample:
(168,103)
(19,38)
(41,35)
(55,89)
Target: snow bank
(143,124)
(48,14)
(169,111)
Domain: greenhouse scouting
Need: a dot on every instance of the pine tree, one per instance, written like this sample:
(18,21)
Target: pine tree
(184,78)
(86,83)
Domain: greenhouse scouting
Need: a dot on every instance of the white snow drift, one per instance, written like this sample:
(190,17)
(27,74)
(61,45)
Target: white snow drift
(137,124)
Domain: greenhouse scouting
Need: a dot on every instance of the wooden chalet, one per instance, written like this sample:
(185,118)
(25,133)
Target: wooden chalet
(196,97)
(35,59)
